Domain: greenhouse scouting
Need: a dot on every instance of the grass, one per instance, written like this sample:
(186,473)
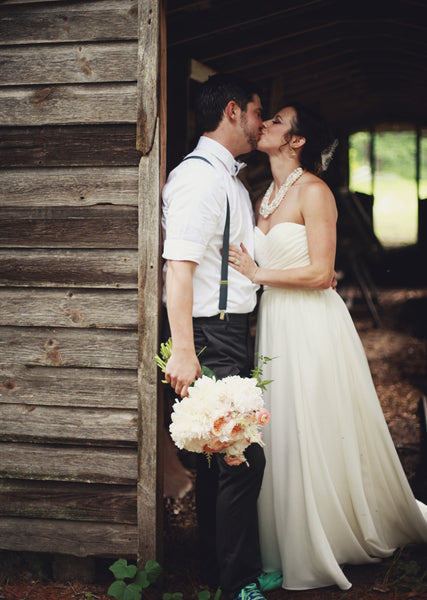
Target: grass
(395,209)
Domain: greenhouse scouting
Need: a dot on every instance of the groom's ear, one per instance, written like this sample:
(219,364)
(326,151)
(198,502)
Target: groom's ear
(232,110)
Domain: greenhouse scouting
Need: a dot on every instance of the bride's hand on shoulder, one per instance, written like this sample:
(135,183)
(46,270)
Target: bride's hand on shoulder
(241,260)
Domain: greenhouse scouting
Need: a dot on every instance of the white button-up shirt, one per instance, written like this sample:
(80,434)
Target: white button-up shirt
(193,219)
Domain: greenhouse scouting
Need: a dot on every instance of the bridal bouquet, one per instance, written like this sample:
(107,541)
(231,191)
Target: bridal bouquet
(219,415)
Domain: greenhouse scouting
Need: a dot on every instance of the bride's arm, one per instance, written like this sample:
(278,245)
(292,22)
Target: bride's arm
(319,214)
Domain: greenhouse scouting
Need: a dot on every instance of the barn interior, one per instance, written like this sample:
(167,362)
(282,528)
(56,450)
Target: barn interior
(70,197)
(361,66)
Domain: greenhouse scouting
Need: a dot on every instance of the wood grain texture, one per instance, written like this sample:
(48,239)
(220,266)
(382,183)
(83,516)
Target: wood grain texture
(152,142)
(34,346)
(69,146)
(147,73)
(70,501)
(38,307)
(70,425)
(67,104)
(65,268)
(78,387)
(68,537)
(71,22)
(69,227)
(68,63)
(74,186)
(63,463)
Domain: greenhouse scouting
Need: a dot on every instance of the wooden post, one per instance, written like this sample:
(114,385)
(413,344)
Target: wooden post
(151,140)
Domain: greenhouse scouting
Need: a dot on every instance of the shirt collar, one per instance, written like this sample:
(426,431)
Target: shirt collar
(220,152)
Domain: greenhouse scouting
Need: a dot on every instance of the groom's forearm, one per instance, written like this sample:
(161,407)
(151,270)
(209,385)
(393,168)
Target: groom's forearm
(183,366)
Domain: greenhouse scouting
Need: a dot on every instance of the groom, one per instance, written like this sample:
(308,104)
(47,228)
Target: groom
(195,197)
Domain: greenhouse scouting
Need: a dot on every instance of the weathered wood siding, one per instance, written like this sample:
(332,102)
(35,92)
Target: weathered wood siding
(69,276)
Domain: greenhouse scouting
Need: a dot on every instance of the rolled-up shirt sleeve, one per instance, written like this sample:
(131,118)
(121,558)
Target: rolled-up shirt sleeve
(191,209)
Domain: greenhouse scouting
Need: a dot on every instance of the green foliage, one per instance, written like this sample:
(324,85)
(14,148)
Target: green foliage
(121,590)
(164,355)
(208,372)
(141,580)
(256,372)
(405,574)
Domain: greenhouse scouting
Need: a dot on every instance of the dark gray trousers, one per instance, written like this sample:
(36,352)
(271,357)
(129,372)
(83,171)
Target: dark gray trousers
(226,496)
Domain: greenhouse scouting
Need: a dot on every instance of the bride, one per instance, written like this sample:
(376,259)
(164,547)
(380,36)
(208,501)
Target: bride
(334,491)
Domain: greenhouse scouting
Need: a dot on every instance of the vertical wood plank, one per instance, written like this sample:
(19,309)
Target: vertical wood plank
(148,73)
(151,131)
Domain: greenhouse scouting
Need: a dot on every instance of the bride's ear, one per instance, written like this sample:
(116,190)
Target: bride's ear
(297,142)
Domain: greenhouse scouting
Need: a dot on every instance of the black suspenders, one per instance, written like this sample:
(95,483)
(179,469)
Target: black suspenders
(223,286)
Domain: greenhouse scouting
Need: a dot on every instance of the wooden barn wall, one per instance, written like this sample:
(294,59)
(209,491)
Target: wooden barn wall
(68,276)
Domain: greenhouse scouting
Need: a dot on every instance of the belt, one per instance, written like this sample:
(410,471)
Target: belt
(233,317)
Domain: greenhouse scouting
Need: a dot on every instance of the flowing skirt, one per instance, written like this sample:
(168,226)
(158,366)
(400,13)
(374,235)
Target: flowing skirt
(334,490)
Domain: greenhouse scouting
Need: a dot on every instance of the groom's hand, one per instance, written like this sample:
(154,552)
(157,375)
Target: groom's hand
(182,369)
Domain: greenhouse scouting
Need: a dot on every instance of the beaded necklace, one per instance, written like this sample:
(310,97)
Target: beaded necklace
(266,209)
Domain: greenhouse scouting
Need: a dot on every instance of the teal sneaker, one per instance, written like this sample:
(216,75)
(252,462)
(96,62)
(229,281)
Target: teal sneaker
(270,581)
(250,592)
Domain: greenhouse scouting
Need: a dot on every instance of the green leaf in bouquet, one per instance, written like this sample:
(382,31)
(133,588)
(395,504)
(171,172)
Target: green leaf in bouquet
(256,372)
(165,354)
(208,372)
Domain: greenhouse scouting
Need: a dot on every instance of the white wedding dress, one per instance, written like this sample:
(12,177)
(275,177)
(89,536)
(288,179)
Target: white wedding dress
(334,491)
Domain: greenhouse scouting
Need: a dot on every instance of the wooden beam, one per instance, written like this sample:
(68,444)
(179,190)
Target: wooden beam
(99,348)
(151,141)
(147,73)
(68,537)
(69,425)
(70,501)
(38,307)
(74,186)
(68,463)
(68,104)
(74,227)
(69,146)
(68,63)
(78,387)
(69,268)
(70,22)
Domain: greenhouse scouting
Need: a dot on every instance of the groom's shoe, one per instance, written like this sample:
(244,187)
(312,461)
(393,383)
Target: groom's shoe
(270,581)
(250,592)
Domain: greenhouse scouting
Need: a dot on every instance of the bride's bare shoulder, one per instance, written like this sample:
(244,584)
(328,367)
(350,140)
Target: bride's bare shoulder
(316,194)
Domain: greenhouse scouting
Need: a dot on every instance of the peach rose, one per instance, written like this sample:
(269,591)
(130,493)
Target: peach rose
(234,461)
(215,446)
(262,417)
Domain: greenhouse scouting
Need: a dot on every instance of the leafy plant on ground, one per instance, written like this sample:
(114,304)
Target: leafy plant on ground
(140,580)
(403,573)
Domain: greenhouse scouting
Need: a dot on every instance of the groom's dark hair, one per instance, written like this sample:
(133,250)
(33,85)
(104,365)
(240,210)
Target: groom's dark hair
(216,93)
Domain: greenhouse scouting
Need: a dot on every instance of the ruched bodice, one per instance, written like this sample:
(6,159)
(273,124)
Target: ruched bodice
(271,251)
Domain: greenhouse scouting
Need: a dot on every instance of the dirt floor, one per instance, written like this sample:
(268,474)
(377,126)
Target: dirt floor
(397,352)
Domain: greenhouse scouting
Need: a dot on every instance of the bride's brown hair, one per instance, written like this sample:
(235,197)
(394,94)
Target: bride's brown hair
(320,143)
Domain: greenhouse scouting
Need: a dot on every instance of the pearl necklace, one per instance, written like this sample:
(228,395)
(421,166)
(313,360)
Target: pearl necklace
(266,209)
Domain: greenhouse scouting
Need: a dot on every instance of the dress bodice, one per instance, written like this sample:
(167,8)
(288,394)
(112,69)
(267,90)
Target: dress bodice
(283,247)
